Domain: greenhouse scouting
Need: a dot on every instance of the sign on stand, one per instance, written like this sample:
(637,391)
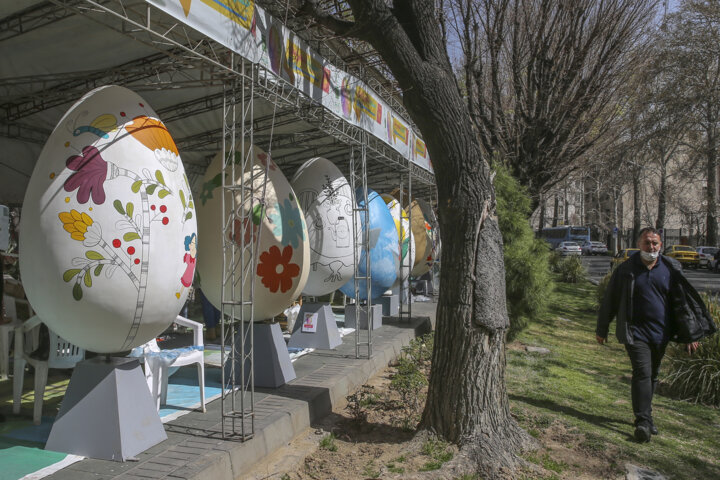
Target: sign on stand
(310,322)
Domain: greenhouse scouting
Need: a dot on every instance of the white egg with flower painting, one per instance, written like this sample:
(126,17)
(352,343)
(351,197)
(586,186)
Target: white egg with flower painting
(108,237)
(278,233)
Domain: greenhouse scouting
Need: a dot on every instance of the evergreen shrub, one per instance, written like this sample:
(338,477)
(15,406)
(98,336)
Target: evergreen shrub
(696,377)
(571,270)
(528,282)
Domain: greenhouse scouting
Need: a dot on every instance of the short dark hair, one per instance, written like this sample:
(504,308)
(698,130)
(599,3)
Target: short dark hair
(650,230)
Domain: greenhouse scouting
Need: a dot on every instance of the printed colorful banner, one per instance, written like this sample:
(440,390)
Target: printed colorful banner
(250,31)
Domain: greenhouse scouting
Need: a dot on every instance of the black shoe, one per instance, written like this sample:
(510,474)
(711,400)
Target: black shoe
(642,433)
(653,428)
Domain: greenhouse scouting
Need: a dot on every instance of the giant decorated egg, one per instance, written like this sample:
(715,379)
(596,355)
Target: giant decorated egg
(434,232)
(277,232)
(327,201)
(383,248)
(108,243)
(405,240)
(422,233)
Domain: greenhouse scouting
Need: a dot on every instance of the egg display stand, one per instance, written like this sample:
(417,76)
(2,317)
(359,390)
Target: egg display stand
(326,335)
(107,412)
(375,316)
(390,304)
(271,360)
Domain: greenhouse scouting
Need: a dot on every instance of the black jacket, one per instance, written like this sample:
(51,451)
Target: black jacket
(689,318)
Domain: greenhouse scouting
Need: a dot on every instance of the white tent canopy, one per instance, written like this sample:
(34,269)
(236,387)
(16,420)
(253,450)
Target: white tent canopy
(53,52)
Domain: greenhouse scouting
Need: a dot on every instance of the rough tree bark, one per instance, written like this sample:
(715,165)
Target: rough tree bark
(467,402)
(637,209)
(712,194)
(662,198)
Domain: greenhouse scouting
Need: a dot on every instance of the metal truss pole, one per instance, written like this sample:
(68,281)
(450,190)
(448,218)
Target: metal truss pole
(237,399)
(366,243)
(406,265)
(437,264)
(358,184)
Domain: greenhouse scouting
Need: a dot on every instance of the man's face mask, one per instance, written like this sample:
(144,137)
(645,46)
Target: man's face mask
(649,256)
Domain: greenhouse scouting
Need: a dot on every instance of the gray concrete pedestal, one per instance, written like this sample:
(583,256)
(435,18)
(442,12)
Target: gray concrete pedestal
(315,327)
(107,412)
(271,359)
(375,316)
(390,304)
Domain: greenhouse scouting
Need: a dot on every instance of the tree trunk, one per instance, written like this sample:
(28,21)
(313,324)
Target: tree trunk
(637,208)
(583,219)
(541,220)
(467,402)
(662,198)
(556,213)
(712,190)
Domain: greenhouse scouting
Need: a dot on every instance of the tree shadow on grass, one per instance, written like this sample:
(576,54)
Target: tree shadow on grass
(599,421)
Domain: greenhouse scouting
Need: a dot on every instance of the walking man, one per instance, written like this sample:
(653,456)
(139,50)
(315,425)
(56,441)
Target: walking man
(654,304)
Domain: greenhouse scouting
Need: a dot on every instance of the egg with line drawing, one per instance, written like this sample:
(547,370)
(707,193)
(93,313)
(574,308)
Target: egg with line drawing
(108,240)
(327,200)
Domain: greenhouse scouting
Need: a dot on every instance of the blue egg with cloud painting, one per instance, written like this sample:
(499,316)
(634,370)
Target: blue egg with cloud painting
(383,246)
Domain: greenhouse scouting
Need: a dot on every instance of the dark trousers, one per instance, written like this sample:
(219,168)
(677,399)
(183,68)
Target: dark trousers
(211,315)
(645,359)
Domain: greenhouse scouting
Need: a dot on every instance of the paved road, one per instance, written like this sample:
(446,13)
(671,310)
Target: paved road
(701,279)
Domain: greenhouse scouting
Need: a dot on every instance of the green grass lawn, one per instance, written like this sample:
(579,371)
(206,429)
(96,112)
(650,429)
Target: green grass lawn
(583,389)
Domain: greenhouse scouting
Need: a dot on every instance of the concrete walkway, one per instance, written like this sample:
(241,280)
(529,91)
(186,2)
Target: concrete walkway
(195,448)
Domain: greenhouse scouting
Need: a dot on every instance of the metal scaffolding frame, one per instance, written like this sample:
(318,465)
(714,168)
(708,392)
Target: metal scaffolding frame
(185,58)
(405,310)
(358,184)
(239,258)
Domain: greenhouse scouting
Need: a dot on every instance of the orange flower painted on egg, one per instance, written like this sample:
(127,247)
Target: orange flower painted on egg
(81,227)
(154,135)
(276,270)
(75,223)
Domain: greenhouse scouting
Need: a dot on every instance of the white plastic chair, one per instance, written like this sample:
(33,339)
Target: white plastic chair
(6,330)
(159,362)
(62,354)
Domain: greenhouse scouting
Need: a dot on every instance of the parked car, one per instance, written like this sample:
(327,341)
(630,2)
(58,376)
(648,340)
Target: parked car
(715,262)
(593,248)
(706,255)
(621,256)
(568,248)
(684,254)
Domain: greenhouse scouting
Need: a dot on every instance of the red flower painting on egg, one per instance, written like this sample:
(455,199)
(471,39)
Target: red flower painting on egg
(275,269)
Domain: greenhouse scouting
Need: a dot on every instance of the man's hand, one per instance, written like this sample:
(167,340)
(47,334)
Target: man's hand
(600,339)
(691,347)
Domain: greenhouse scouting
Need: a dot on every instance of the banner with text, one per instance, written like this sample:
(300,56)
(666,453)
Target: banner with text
(251,32)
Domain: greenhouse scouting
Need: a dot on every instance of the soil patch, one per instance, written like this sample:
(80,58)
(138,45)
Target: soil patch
(373,436)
